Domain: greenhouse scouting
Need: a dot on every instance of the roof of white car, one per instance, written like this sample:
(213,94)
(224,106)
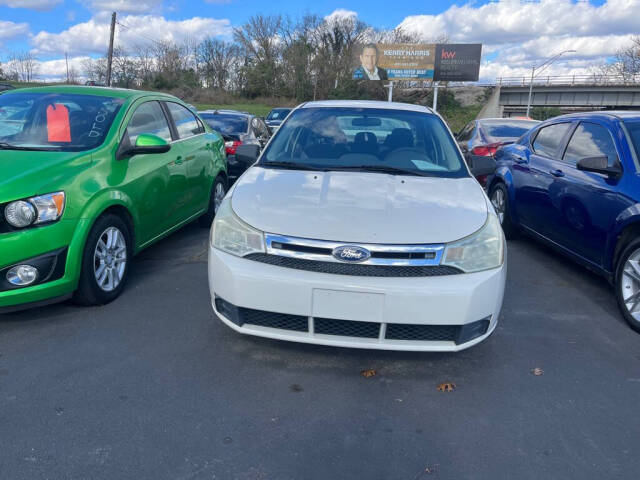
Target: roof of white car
(366,104)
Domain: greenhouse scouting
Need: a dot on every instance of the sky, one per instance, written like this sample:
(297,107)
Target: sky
(515,34)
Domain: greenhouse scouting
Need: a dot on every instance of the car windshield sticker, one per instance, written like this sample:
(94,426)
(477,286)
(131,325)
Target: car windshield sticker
(424,165)
(58,129)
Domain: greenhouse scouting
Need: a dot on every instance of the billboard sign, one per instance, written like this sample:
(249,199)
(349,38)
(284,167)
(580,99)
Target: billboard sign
(401,61)
(458,62)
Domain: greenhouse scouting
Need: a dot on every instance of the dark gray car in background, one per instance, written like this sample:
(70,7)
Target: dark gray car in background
(276,117)
(237,128)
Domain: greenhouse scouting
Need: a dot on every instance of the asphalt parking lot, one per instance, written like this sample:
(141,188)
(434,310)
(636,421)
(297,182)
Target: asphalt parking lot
(153,386)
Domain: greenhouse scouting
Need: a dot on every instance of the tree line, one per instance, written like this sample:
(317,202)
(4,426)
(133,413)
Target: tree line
(268,56)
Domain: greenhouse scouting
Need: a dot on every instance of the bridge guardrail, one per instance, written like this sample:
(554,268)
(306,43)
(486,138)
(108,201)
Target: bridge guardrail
(593,79)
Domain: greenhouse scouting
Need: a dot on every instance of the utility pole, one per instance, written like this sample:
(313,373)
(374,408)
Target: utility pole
(110,54)
(66,60)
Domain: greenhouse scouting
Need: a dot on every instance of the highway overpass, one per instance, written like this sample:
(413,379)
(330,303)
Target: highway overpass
(569,94)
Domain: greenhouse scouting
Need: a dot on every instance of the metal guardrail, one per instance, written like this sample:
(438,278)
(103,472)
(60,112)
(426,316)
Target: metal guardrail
(569,80)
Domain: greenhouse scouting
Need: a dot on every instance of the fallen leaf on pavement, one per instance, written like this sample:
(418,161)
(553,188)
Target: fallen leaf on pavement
(368,373)
(447,387)
(537,372)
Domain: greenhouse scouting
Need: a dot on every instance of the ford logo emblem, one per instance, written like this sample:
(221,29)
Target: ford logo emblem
(351,253)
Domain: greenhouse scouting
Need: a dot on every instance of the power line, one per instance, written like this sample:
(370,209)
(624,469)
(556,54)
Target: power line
(126,27)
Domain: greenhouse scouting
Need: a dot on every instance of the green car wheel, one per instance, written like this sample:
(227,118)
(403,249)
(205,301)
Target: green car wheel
(105,261)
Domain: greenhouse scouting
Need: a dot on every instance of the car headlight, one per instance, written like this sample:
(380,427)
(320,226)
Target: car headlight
(232,235)
(482,250)
(35,210)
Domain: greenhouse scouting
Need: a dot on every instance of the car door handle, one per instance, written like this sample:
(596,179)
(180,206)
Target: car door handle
(557,173)
(189,158)
(178,160)
(519,159)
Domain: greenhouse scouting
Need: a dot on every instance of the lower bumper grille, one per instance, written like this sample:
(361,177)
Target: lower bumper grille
(353,269)
(274,320)
(400,331)
(347,328)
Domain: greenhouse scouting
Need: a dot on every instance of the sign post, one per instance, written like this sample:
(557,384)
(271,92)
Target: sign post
(390,87)
(435,96)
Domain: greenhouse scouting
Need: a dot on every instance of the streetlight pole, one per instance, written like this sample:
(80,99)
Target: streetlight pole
(533,69)
(540,68)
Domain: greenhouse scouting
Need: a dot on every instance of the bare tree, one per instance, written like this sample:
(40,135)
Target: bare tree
(23,66)
(74,77)
(260,39)
(336,42)
(628,59)
(95,69)
(124,69)
(216,59)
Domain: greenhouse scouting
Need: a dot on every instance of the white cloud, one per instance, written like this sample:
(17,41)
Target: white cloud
(520,33)
(125,6)
(9,30)
(31,4)
(92,37)
(508,21)
(340,14)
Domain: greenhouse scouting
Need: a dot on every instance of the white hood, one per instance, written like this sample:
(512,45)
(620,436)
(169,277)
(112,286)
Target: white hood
(359,207)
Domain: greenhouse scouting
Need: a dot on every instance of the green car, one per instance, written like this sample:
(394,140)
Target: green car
(89,177)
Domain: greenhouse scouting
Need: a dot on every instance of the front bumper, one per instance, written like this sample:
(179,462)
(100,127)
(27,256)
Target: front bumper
(441,302)
(21,246)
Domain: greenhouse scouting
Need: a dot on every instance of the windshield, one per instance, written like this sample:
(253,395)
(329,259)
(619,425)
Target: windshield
(507,129)
(278,113)
(227,124)
(366,139)
(55,121)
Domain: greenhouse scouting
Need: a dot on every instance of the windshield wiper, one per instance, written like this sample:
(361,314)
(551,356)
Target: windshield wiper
(380,169)
(289,166)
(10,146)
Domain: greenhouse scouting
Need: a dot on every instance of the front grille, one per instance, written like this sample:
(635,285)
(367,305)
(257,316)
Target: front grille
(353,269)
(274,320)
(401,331)
(346,328)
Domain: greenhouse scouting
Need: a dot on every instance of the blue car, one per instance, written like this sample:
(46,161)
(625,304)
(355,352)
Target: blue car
(574,183)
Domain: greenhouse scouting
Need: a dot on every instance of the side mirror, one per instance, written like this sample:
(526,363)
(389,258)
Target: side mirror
(600,165)
(145,144)
(247,154)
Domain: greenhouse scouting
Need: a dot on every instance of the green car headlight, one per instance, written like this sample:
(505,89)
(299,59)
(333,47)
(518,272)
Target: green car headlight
(232,235)
(35,210)
(483,250)
(20,214)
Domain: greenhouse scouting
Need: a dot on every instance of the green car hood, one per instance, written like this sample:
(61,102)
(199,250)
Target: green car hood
(27,173)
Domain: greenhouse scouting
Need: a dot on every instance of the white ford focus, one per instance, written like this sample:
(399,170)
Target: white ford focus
(359,226)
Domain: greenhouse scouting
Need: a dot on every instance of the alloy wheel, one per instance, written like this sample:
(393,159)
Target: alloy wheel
(630,285)
(110,259)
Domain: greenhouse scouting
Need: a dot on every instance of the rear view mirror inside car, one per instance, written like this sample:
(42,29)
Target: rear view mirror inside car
(366,122)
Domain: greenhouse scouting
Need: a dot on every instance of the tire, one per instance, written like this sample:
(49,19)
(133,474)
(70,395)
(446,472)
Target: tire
(499,197)
(108,246)
(627,284)
(206,220)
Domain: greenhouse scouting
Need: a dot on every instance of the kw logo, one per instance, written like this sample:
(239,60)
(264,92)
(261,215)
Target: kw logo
(448,55)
